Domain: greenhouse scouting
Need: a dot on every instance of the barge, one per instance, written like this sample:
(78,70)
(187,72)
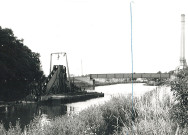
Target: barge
(69,98)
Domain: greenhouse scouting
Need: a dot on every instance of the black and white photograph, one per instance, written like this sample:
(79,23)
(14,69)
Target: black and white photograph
(93,67)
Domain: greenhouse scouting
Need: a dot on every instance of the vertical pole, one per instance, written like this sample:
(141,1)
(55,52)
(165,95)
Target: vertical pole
(160,77)
(50,62)
(93,84)
(81,67)
(68,72)
(133,115)
(131,51)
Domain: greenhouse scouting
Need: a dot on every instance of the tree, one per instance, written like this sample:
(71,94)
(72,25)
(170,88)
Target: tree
(20,68)
(159,72)
(180,90)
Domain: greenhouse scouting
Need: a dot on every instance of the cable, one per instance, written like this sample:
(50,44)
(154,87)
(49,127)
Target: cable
(131,51)
(132,57)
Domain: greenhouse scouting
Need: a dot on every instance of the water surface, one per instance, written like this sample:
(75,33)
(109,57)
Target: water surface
(26,112)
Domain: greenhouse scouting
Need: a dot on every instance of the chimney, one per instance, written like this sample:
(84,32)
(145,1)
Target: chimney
(183,63)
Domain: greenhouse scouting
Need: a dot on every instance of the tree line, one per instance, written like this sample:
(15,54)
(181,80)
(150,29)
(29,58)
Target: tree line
(20,68)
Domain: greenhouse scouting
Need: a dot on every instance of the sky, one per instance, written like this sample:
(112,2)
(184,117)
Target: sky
(96,34)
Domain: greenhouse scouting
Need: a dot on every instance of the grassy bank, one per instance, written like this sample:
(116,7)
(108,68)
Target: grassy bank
(151,115)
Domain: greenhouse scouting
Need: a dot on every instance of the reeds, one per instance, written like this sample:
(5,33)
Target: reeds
(151,116)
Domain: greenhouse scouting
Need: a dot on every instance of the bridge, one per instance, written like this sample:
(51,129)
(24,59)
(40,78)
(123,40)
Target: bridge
(129,75)
(57,82)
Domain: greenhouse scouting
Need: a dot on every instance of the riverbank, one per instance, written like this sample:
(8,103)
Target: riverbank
(56,98)
(151,115)
(69,98)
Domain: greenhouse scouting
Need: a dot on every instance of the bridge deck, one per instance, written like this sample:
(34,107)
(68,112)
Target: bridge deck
(129,75)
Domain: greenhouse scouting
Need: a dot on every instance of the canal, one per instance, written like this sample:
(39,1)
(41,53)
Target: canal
(24,113)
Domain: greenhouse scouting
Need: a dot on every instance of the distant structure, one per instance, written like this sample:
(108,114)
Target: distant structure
(183,63)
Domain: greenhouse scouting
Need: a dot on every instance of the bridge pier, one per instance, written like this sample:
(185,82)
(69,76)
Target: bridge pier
(93,84)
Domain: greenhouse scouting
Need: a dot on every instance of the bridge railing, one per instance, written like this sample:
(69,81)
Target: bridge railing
(129,75)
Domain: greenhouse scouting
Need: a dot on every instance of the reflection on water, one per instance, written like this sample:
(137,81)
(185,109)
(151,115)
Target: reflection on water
(26,112)
(110,91)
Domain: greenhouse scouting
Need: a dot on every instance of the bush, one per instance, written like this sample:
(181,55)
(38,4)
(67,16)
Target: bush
(180,91)
(118,113)
(94,120)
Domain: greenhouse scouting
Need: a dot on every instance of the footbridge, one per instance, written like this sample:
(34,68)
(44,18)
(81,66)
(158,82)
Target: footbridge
(129,75)
(57,81)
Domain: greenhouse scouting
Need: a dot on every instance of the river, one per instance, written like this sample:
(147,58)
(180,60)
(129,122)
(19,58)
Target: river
(24,113)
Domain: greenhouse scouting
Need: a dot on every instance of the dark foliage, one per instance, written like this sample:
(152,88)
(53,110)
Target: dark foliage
(20,68)
(180,90)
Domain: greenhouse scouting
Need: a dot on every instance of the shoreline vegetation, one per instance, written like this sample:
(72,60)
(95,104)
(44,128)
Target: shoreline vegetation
(151,115)
(31,98)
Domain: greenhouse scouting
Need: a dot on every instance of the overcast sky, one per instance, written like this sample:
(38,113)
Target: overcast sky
(97,32)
